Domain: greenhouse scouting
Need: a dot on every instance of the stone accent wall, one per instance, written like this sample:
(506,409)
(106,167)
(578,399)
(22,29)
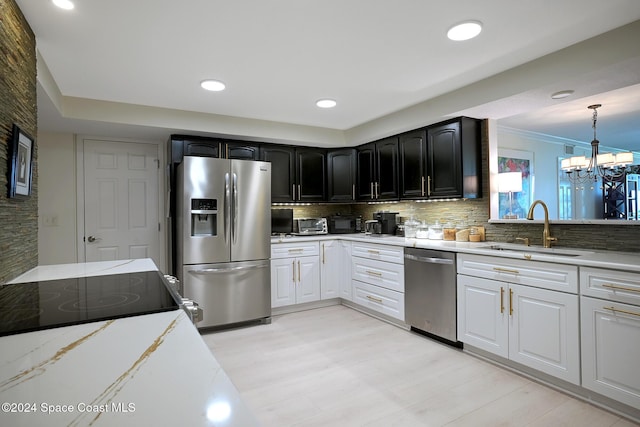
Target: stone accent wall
(18,218)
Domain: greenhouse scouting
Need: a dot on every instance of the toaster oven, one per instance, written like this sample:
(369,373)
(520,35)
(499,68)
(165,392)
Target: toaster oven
(308,226)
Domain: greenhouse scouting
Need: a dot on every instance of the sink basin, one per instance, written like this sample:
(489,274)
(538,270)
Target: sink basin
(531,250)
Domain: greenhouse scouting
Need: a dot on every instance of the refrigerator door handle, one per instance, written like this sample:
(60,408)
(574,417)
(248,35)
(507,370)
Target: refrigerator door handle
(227,207)
(225,269)
(234,222)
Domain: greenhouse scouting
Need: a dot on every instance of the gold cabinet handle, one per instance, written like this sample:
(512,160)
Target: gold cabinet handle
(377,190)
(616,310)
(428,186)
(299,193)
(296,250)
(293,269)
(620,288)
(373,252)
(373,273)
(378,300)
(501,300)
(372,195)
(505,270)
(510,302)
(299,279)
(293,188)
(422,186)
(323,259)
(353,191)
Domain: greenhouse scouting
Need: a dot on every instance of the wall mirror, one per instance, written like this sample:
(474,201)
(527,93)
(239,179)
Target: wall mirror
(535,142)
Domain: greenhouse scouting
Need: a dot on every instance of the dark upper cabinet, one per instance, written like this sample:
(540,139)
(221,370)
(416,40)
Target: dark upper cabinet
(282,159)
(201,148)
(241,150)
(453,159)
(311,175)
(413,164)
(377,164)
(341,175)
(297,174)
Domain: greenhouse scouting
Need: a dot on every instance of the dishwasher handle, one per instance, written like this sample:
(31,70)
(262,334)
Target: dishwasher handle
(430,260)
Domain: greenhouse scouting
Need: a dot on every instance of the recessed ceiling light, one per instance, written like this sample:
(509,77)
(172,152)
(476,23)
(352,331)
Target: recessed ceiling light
(562,94)
(326,103)
(212,85)
(464,31)
(63,4)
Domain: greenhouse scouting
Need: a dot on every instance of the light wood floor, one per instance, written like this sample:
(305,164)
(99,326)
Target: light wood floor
(335,366)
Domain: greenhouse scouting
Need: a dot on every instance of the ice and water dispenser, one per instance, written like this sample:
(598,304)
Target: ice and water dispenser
(204,216)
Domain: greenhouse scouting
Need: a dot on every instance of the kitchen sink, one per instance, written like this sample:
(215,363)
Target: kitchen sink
(521,249)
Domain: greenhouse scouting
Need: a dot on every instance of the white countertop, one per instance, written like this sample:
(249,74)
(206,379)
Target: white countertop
(144,370)
(627,261)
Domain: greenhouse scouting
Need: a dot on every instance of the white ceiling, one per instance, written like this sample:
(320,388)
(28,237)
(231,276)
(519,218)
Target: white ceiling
(277,57)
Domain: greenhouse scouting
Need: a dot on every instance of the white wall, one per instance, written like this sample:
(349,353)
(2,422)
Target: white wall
(56,199)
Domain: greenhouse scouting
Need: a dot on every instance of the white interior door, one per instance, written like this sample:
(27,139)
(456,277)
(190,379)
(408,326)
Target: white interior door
(120,201)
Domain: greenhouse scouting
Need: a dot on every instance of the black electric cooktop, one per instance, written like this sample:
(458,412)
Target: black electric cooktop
(33,306)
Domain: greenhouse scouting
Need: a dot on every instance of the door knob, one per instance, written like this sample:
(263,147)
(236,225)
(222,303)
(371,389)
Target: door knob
(91,239)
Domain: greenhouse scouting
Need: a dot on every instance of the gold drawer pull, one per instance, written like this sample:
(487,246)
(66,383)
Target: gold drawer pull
(373,273)
(620,288)
(372,252)
(296,250)
(378,300)
(501,300)
(510,302)
(615,310)
(505,270)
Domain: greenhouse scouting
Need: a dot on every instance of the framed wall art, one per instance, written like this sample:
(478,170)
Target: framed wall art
(20,163)
(516,161)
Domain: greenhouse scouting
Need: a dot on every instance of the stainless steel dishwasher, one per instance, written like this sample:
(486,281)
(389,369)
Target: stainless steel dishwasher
(430,293)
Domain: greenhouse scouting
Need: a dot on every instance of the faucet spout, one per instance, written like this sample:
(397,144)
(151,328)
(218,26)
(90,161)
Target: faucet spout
(546,235)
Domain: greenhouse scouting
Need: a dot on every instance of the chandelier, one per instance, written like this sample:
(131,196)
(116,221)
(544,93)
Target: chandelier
(582,169)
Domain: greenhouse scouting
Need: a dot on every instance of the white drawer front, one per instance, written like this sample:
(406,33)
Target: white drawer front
(384,274)
(546,275)
(378,252)
(289,250)
(615,285)
(382,300)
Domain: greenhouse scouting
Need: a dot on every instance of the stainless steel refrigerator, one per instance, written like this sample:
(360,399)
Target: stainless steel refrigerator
(223,242)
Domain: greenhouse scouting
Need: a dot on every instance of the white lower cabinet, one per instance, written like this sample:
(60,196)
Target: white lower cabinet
(610,327)
(378,278)
(335,269)
(538,328)
(385,301)
(295,279)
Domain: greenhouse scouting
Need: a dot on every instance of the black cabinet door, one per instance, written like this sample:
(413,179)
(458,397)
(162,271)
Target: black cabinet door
(445,161)
(311,176)
(341,175)
(387,169)
(365,172)
(202,148)
(413,163)
(282,171)
(242,151)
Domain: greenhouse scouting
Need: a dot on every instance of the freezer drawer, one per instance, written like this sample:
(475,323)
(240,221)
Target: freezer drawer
(229,292)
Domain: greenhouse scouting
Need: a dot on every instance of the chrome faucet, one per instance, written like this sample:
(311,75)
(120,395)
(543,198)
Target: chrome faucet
(546,237)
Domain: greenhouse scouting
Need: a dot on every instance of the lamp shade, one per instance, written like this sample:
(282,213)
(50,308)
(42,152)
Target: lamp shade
(510,182)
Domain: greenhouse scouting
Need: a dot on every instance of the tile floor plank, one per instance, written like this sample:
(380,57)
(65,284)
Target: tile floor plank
(335,366)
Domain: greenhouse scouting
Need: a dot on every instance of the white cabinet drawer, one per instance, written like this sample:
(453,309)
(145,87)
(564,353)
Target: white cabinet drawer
(384,274)
(378,252)
(385,301)
(614,285)
(546,275)
(289,250)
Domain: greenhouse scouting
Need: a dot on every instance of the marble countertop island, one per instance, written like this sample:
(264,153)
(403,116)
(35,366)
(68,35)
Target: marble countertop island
(151,369)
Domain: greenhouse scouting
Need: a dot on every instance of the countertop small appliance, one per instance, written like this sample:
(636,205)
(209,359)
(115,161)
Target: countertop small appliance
(387,222)
(309,226)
